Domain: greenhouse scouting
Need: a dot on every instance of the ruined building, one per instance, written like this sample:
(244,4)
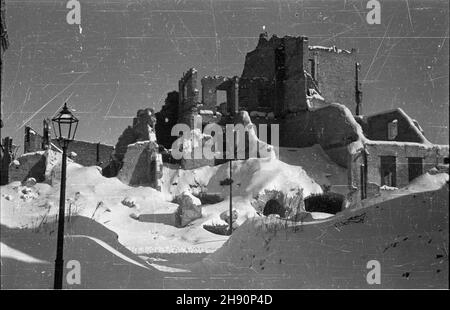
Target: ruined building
(136,159)
(82,152)
(6,146)
(313,93)
(37,146)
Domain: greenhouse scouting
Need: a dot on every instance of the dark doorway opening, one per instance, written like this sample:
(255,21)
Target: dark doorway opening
(388,171)
(415,167)
(331,203)
(274,207)
(264,97)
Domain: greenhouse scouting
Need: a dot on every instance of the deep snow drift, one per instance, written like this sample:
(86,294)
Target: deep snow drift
(318,166)
(408,235)
(111,223)
(117,206)
(28,256)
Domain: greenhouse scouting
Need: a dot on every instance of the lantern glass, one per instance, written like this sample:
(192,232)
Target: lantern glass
(65,125)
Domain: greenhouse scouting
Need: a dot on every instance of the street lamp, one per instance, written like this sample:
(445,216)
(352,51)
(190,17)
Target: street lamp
(229,181)
(64,125)
(230,228)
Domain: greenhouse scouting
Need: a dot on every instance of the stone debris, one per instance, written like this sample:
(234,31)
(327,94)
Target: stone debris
(189,208)
(129,202)
(30,182)
(225,216)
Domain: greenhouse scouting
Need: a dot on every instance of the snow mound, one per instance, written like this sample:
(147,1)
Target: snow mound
(251,177)
(318,166)
(144,218)
(27,258)
(407,236)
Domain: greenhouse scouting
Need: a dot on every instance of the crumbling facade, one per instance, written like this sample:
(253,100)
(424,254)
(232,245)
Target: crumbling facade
(142,165)
(335,74)
(82,152)
(136,159)
(314,94)
(6,146)
(36,149)
(7,156)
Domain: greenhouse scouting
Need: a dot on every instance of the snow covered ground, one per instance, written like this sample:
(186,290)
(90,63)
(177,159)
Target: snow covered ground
(115,205)
(407,235)
(117,250)
(28,258)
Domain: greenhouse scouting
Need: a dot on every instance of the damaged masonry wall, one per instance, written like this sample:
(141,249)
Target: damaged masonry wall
(188,97)
(142,165)
(87,153)
(43,166)
(280,79)
(283,76)
(136,159)
(333,70)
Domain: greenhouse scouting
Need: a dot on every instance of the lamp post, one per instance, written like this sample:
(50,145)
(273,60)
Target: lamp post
(230,229)
(229,181)
(64,125)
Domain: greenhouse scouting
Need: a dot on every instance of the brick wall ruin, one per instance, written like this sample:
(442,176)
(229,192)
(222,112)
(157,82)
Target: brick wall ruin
(311,92)
(273,78)
(43,166)
(333,70)
(142,129)
(33,161)
(327,126)
(231,87)
(142,165)
(29,165)
(32,141)
(87,153)
(189,96)
(341,137)
(295,64)
(426,157)
(377,126)
(209,91)
(136,159)
(6,157)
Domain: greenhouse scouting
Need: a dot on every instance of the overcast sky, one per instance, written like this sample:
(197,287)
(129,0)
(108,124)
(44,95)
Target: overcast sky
(127,55)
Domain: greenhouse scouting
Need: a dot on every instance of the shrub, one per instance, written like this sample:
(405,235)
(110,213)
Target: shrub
(327,202)
(274,207)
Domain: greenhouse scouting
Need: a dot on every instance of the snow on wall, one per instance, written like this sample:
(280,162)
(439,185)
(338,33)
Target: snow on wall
(29,165)
(376,127)
(336,130)
(141,164)
(88,153)
(431,156)
(44,166)
(331,126)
